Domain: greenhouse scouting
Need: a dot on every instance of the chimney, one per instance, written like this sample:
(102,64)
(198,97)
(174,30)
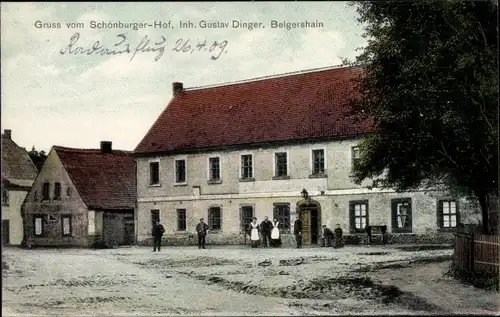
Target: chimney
(177,88)
(8,133)
(106,147)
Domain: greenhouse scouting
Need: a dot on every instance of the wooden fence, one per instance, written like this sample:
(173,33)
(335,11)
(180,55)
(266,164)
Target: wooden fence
(477,254)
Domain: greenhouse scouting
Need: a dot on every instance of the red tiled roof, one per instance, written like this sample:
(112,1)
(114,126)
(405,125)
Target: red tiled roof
(103,180)
(301,106)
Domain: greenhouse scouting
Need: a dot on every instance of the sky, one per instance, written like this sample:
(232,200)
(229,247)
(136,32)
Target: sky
(63,89)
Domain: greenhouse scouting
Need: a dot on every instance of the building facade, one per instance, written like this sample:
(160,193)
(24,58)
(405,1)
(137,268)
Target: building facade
(282,147)
(82,197)
(18,174)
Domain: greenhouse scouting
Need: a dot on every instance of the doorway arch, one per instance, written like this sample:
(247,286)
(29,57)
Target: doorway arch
(309,212)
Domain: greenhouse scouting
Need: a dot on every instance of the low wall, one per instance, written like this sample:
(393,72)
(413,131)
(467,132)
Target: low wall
(288,240)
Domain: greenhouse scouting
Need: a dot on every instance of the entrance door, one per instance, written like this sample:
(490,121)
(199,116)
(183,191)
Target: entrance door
(314,226)
(129,229)
(5,232)
(305,216)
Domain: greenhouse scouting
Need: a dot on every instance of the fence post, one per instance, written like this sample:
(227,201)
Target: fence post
(471,255)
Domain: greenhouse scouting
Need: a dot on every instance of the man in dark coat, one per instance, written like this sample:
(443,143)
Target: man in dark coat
(338,236)
(158,231)
(327,236)
(297,231)
(265,228)
(201,229)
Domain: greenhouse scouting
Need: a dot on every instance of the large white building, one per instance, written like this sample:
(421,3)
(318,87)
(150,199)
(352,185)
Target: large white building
(229,152)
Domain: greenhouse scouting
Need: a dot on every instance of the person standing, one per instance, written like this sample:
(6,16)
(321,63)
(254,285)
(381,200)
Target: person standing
(158,231)
(338,236)
(201,229)
(297,230)
(275,234)
(254,233)
(265,228)
(327,236)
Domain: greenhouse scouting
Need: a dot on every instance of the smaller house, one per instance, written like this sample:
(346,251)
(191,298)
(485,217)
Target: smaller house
(18,174)
(81,197)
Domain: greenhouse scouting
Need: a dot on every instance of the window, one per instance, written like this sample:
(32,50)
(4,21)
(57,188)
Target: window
(57,191)
(154,173)
(214,169)
(180,171)
(355,156)
(68,191)
(214,218)
(281,164)
(46,191)
(448,216)
(359,215)
(246,166)
(401,215)
(66,225)
(38,224)
(282,214)
(246,216)
(155,217)
(181,220)
(318,157)
(5,197)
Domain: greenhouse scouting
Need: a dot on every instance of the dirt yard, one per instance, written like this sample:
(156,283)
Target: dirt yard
(235,281)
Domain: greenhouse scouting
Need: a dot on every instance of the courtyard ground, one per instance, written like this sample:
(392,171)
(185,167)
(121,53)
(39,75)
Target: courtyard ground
(235,281)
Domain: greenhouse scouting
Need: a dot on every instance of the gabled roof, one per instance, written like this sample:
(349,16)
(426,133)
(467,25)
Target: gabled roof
(16,163)
(103,180)
(303,106)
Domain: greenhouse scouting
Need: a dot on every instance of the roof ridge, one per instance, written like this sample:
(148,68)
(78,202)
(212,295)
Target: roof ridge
(261,78)
(70,149)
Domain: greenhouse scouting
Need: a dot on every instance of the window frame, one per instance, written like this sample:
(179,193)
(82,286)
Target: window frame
(178,211)
(354,159)
(178,182)
(42,217)
(210,218)
(150,164)
(243,226)
(394,215)
(5,197)
(284,226)
(251,177)
(211,180)
(57,191)
(312,163)
(46,190)
(276,167)
(66,216)
(440,214)
(353,217)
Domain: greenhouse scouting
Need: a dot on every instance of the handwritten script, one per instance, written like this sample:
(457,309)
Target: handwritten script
(146,45)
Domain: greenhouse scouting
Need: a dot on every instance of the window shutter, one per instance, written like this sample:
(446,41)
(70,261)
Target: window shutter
(410,220)
(440,213)
(394,214)
(351,216)
(367,214)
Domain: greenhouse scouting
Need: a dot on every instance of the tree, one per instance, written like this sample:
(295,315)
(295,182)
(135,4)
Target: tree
(38,158)
(430,87)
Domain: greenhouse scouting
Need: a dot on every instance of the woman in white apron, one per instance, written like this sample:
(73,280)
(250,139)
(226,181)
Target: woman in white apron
(254,233)
(275,234)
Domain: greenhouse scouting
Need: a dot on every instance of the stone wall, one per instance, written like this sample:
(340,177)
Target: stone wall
(288,240)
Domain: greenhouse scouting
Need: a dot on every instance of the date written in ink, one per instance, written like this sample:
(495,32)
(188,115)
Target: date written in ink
(216,48)
(123,46)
